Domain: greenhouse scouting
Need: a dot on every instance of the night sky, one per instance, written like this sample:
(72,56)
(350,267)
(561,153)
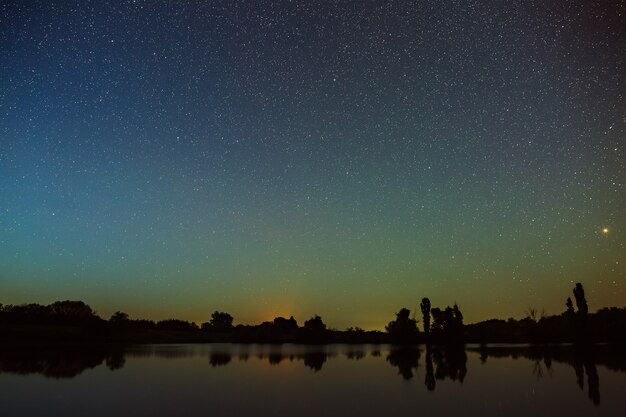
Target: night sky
(340,158)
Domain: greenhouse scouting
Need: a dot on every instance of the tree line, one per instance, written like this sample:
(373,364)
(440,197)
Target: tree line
(77,321)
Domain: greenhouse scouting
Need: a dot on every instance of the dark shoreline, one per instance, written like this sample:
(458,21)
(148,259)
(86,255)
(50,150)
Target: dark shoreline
(76,322)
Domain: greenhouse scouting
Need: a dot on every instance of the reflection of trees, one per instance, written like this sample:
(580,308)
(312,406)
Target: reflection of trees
(355,354)
(275,358)
(171,352)
(593,380)
(451,362)
(312,359)
(315,360)
(220,358)
(445,361)
(406,360)
(442,362)
(429,381)
(582,359)
(59,362)
(538,368)
(583,363)
(116,360)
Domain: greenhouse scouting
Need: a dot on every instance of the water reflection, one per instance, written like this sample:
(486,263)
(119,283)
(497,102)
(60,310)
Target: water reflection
(429,380)
(355,354)
(582,359)
(405,359)
(219,359)
(315,360)
(59,362)
(435,363)
(451,362)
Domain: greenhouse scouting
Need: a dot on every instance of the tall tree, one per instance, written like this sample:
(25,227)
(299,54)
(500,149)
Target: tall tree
(458,316)
(457,328)
(569,305)
(581,302)
(425,306)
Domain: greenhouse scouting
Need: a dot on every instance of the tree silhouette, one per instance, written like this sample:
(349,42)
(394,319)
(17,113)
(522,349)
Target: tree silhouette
(458,316)
(425,306)
(403,329)
(581,302)
(176,325)
(221,321)
(285,326)
(581,320)
(72,309)
(455,327)
(315,324)
(438,320)
(532,313)
(570,306)
(118,317)
(314,330)
(447,324)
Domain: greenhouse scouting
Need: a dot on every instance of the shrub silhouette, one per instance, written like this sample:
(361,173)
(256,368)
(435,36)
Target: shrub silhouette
(314,330)
(403,330)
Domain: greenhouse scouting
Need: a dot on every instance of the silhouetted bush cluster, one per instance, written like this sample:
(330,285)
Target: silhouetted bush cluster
(65,321)
(403,330)
(176,325)
(220,322)
(447,325)
(283,330)
(57,312)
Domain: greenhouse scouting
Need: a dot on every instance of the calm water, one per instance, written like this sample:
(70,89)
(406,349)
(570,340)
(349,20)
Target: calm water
(290,380)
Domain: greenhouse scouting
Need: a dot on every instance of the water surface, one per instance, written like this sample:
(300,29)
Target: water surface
(288,380)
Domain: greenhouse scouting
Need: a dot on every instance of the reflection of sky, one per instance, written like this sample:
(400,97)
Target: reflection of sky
(185,377)
(347,159)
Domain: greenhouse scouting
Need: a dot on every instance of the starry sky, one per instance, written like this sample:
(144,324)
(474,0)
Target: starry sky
(341,158)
